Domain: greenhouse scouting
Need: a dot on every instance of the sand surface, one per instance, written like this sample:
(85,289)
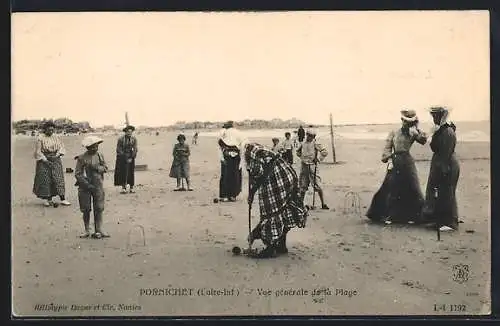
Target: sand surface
(363,269)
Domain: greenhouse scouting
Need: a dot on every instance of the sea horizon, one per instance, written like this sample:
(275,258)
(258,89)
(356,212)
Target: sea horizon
(468,131)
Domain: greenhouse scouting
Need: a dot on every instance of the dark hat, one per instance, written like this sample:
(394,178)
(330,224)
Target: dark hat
(228,124)
(48,124)
(181,136)
(129,127)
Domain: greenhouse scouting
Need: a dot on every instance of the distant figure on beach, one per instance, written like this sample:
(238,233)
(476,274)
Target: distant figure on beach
(311,152)
(231,144)
(440,200)
(301,133)
(126,152)
(400,199)
(287,148)
(276,145)
(281,207)
(180,165)
(49,174)
(295,139)
(195,138)
(89,174)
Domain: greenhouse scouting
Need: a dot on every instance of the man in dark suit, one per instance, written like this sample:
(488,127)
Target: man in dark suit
(126,152)
(301,133)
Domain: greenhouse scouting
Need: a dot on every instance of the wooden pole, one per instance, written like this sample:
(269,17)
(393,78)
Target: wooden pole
(333,142)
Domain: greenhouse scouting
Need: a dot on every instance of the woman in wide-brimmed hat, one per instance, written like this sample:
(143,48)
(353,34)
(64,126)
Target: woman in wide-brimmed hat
(231,144)
(400,198)
(49,174)
(440,200)
(126,152)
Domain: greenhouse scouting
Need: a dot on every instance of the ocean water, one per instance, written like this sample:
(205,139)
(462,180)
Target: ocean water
(466,132)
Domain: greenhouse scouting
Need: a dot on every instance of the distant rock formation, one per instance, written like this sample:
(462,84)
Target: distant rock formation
(63,125)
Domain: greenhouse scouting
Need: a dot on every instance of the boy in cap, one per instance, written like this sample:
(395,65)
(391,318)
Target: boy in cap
(311,152)
(89,174)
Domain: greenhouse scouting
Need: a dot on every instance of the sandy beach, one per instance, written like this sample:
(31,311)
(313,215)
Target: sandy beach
(340,264)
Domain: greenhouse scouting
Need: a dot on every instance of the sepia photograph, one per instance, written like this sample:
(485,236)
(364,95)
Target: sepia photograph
(332,163)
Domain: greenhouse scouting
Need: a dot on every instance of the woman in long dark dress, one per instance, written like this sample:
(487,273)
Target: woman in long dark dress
(440,200)
(230,145)
(400,198)
(126,152)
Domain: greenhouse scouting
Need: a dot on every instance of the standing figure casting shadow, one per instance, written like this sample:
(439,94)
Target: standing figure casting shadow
(400,199)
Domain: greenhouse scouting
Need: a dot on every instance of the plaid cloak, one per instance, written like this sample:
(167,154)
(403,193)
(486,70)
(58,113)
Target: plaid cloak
(280,206)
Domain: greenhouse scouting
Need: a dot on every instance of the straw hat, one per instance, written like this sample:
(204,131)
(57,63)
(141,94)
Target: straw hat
(409,115)
(91,140)
(438,109)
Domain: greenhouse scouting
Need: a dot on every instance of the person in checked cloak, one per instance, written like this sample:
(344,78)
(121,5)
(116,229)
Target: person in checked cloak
(281,207)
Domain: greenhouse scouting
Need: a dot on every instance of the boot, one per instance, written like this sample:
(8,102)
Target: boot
(281,247)
(98,226)
(268,252)
(86,224)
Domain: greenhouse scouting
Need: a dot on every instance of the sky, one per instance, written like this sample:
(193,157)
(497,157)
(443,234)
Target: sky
(363,67)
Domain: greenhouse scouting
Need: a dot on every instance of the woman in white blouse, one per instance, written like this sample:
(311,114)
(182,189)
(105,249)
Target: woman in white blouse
(231,144)
(49,175)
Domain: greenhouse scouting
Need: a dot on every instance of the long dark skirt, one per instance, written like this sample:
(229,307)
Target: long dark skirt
(124,172)
(442,209)
(231,178)
(399,198)
(49,178)
(288,156)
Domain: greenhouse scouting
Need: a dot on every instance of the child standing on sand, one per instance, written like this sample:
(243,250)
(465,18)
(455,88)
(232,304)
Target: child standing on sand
(89,174)
(180,164)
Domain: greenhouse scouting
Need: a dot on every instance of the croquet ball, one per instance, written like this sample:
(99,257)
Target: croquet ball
(236,250)
(216,200)
(56,205)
